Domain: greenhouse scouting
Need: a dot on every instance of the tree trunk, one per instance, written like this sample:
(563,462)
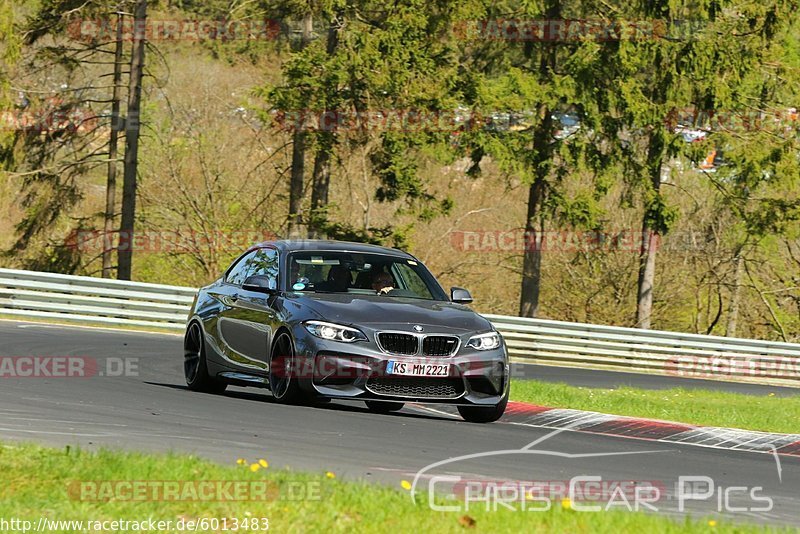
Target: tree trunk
(297,176)
(132,128)
(733,308)
(650,235)
(532,257)
(327,140)
(647,274)
(534,223)
(296,182)
(543,147)
(320,189)
(111,181)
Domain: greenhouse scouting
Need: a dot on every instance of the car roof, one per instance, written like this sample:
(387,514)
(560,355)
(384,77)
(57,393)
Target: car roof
(292,245)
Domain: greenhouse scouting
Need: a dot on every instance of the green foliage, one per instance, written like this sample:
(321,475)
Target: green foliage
(9,54)
(760,180)
(537,80)
(580,211)
(375,59)
(53,158)
(348,232)
(658,215)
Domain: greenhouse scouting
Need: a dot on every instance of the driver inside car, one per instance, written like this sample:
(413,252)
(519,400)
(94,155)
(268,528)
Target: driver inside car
(382,283)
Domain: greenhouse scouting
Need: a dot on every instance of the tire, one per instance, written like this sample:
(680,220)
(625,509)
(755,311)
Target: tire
(383,406)
(195,368)
(283,381)
(480,414)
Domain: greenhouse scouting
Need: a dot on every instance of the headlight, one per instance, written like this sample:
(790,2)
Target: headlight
(334,332)
(484,341)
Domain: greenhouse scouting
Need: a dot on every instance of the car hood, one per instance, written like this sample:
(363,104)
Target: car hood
(380,312)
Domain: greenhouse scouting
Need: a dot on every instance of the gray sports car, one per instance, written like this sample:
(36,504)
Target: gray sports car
(315,320)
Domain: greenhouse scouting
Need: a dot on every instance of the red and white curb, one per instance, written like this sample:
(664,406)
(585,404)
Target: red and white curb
(520,413)
(650,429)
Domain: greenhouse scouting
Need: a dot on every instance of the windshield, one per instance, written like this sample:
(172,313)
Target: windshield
(366,274)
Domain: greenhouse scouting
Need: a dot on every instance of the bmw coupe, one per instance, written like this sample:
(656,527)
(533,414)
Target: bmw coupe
(317,320)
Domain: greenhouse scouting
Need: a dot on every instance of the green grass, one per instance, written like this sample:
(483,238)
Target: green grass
(699,407)
(36,483)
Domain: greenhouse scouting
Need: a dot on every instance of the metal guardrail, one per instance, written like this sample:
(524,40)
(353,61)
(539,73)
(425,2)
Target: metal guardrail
(85,299)
(650,351)
(28,294)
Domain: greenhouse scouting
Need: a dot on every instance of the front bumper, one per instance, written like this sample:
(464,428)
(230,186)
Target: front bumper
(357,371)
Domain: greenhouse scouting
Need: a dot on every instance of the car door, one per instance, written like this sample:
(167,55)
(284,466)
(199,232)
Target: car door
(226,330)
(248,321)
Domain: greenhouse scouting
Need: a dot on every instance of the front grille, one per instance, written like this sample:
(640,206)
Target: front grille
(416,387)
(439,345)
(398,343)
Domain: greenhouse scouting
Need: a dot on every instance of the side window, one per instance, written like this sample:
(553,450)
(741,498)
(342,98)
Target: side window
(411,280)
(265,262)
(238,273)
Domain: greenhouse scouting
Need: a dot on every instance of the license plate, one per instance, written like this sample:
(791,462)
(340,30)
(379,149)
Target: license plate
(417,368)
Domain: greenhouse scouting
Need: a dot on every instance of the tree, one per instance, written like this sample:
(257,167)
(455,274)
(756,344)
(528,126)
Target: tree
(70,41)
(55,18)
(57,140)
(712,63)
(760,182)
(297,171)
(9,53)
(132,129)
(531,81)
(111,180)
(327,138)
(375,59)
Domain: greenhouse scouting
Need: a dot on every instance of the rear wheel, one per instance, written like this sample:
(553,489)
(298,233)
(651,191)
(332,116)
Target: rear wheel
(282,377)
(383,406)
(480,414)
(195,368)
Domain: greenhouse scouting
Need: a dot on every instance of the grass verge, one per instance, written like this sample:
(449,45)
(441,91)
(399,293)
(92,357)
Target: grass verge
(767,413)
(52,483)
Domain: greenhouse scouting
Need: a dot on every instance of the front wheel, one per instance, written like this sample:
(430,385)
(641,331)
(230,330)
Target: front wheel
(480,414)
(195,368)
(282,377)
(384,407)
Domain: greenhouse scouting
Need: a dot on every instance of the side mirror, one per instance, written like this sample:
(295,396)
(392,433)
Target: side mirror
(260,283)
(459,295)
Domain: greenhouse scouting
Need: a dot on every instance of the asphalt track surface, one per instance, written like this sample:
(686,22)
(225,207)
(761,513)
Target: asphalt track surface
(151,410)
